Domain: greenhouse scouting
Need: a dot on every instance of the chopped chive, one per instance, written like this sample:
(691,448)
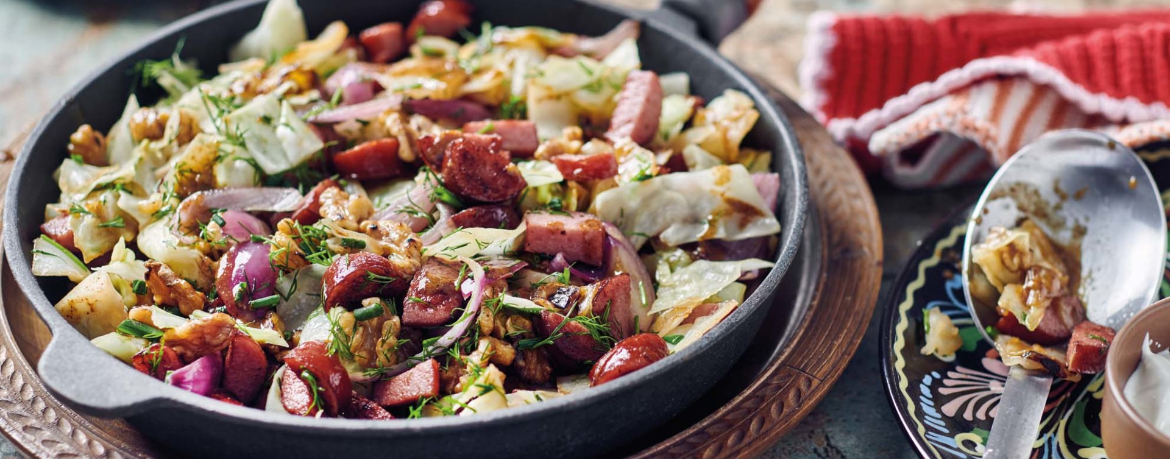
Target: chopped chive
(266,302)
(487,128)
(257,238)
(138,329)
(218,220)
(1098,338)
(991,331)
(138,286)
(926,320)
(673,339)
(368,312)
(351,243)
(76,158)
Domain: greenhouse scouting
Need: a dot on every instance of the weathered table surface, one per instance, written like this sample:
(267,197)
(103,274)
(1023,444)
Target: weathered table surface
(47,46)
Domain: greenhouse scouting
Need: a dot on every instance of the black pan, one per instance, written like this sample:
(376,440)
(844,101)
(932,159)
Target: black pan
(587,424)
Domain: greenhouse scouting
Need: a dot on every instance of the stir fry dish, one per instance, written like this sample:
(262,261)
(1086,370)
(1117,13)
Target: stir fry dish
(1033,283)
(424,219)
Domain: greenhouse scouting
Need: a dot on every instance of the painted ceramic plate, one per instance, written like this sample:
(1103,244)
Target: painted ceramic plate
(946,407)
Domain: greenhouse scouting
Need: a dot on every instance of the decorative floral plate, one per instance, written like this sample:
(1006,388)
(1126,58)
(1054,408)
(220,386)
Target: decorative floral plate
(946,407)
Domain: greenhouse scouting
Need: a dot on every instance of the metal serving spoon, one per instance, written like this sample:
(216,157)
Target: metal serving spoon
(1089,184)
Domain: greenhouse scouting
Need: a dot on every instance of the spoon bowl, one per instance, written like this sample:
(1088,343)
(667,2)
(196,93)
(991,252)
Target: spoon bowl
(1082,188)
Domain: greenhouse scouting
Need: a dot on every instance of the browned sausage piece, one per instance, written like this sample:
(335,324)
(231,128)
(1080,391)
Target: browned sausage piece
(433,295)
(629,355)
(383,42)
(297,396)
(578,236)
(1055,327)
(440,17)
(584,168)
(1088,347)
(309,211)
(639,105)
(354,277)
(497,216)
(415,384)
(364,408)
(432,148)
(613,294)
(156,361)
(244,367)
(572,342)
(473,170)
(518,136)
(58,229)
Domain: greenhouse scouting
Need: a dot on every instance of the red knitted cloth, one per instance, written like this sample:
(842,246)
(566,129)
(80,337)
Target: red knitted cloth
(863,74)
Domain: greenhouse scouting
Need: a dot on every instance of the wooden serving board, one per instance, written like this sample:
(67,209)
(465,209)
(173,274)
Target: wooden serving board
(781,378)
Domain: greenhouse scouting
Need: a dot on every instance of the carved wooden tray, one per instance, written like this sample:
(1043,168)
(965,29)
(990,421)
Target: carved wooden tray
(788,369)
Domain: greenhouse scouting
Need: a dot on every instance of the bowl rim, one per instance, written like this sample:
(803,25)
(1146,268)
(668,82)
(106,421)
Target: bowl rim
(162,396)
(1116,387)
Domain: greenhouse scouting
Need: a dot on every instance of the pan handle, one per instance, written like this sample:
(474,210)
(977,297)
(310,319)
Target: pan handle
(712,19)
(83,374)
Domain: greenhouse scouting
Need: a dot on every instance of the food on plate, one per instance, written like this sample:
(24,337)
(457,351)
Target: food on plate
(427,219)
(1033,282)
(1147,386)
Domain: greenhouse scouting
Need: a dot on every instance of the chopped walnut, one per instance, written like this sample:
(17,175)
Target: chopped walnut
(497,351)
(373,342)
(89,144)
(148,123)
(486,321)
(397,243)
(568,143)
(451,378)
(345,209)
(285,251)
(201,337)
(532,364)
(168,289)
(188,128)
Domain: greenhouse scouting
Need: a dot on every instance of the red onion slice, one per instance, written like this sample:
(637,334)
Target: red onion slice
(353,72)
(622,257)
(201,376)
(406,209)
(456,111)
(241,225)
(364,111)
(495,269)
(599,47)
(247,263)
(259,199)
(196,208)
(581,271)
(442,227)
(479,283)
(357,93)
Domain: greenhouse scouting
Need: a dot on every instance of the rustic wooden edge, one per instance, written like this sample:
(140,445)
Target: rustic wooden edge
(786,391)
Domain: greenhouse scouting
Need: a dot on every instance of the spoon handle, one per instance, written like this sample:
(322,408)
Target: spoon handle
(1017,422)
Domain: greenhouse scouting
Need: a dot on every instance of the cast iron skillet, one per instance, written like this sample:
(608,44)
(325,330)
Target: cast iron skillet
(585,424)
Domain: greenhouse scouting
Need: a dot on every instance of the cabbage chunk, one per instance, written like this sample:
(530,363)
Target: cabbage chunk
(716,203)
(94,307)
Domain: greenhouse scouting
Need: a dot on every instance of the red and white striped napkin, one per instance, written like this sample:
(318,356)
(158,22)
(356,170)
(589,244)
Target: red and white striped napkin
(937,102)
